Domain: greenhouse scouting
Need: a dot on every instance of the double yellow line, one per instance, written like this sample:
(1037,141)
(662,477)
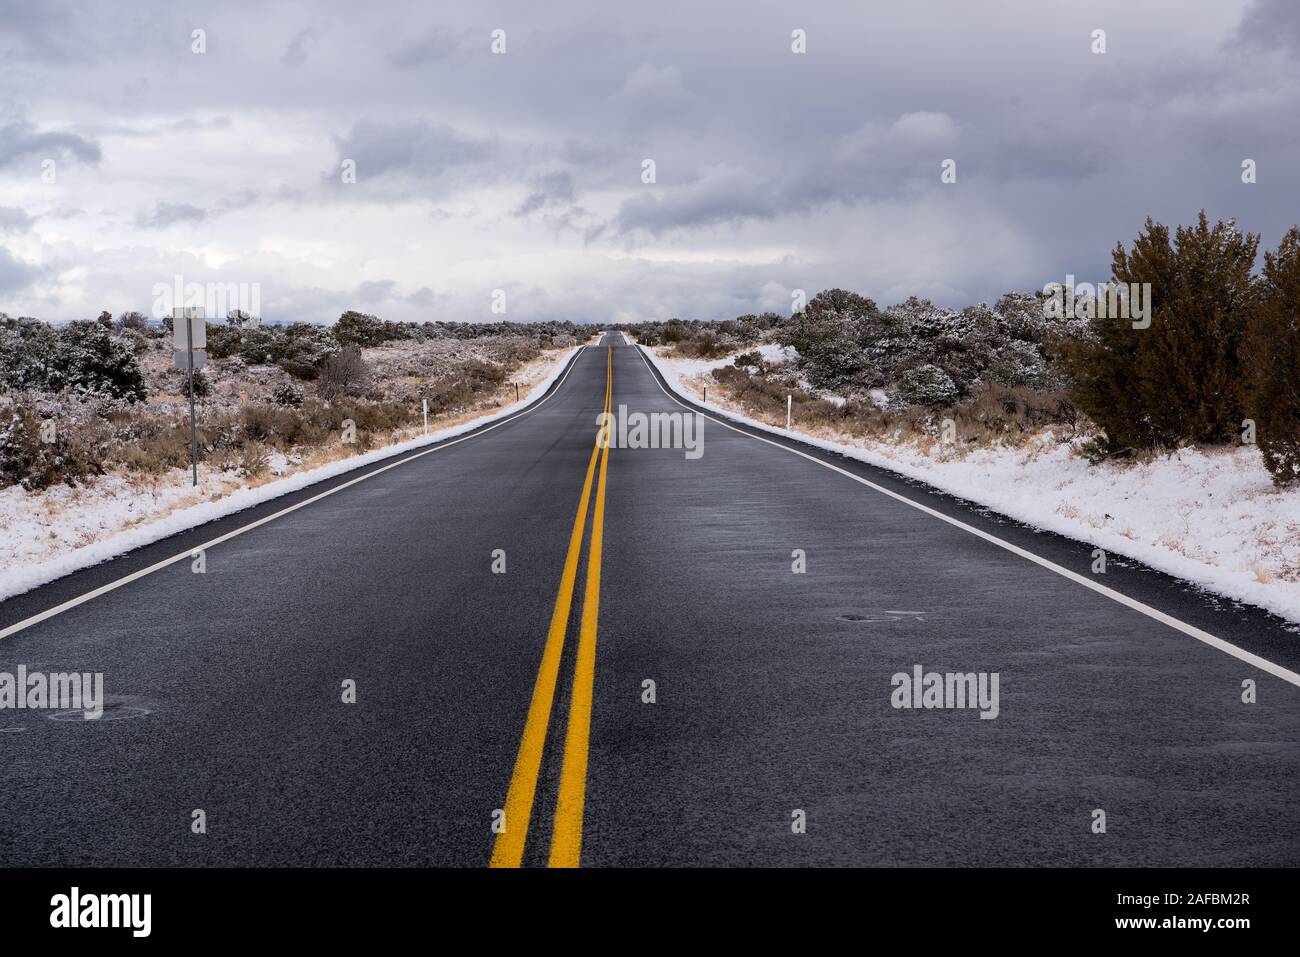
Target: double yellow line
(566,832)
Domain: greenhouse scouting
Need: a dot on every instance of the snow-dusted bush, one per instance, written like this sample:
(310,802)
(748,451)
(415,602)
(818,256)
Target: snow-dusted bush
(96,364)
(832,336)
(926,385)
(847,345)
(343,373)
(287,394)
(1017,363)
(180,383)
(72,451)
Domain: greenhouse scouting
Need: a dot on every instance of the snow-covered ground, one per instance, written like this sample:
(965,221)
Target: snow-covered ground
(1210,517)
(60,530)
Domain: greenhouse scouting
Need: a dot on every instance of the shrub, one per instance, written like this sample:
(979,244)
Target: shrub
(359,329)
(96,364)
(926,385)
(27,459)
(704,345)
(288,395)
(1179,380)
(1271,361)
(180,383)
(29,356)
(838,336)
(1020,363)
(343,373)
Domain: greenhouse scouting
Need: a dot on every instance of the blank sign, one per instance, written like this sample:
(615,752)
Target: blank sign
(182,363)
(198,328)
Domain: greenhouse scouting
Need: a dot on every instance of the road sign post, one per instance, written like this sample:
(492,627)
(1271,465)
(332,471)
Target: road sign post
(189,344)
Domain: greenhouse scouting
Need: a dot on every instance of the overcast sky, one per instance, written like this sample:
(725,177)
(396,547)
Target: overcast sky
(522,171)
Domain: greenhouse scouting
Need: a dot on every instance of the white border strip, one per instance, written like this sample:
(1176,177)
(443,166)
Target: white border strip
(1226,647)
(104,589)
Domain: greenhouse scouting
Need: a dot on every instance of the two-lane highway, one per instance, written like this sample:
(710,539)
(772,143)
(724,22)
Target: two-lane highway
(687,661)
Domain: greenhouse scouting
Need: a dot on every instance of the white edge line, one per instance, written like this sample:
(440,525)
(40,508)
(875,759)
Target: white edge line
(104,589)
(1227,647)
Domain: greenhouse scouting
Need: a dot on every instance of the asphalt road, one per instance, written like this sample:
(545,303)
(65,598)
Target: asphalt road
(771,739)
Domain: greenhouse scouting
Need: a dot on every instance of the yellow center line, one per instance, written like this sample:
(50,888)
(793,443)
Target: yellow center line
(566,835)
(508,851)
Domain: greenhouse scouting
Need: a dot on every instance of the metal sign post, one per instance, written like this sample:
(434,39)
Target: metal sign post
(194,337)
(194,432)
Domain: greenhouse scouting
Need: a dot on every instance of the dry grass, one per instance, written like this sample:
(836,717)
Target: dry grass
(241,430)
(995,414)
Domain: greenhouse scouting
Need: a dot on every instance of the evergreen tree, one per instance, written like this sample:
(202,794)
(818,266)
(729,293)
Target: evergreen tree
(1180,379)
(1271,361)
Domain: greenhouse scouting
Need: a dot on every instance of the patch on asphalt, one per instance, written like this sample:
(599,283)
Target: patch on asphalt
(116,709)
(877,616)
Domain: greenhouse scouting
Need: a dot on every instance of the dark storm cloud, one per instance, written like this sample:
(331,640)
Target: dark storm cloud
(775,169)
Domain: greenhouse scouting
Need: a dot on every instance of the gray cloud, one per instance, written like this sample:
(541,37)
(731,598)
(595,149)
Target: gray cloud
(295,54)
(417,148)
(1270,25)
(551,189)
(14,220)
(20,140)
(720,195)
(167,214)
(434,45)
(522,171)
(15,275)
(373,292)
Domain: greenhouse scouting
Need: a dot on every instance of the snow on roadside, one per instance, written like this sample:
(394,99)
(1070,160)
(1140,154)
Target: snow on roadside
(61,530)
(1210,517)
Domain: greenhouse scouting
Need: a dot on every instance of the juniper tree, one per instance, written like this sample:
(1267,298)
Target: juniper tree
(1180,379)
(1271,361)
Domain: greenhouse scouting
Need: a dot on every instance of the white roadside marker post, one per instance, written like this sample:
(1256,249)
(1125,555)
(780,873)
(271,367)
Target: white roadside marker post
(425,404)
(789,410)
